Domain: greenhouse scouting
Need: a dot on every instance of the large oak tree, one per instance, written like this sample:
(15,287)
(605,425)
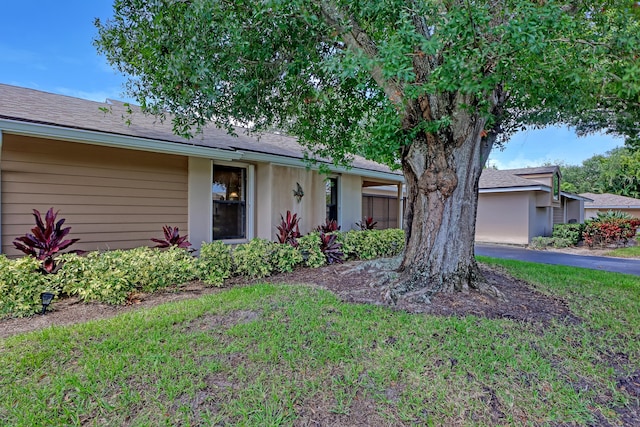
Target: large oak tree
(430,86)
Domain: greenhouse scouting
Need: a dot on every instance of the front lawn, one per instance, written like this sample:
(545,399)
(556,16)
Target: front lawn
(630,252)
(296,355)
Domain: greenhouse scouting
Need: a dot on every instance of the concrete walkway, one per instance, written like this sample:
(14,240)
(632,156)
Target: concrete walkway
(617,265)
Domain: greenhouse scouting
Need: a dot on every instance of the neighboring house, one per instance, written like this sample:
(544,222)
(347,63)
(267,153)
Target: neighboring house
(118,176)
(610,202)
(517,205)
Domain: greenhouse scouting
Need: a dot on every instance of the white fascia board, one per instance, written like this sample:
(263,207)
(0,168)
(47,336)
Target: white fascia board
(300,163)
(114,140)
(512,189)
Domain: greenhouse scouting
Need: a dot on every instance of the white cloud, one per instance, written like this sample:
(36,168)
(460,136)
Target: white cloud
(98,95)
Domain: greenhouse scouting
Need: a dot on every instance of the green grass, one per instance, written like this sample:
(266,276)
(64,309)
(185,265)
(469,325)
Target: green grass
(283,355)
(630,252)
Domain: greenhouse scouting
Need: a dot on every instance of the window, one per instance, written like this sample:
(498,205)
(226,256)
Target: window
(229,193)
(556,187)
(331,186)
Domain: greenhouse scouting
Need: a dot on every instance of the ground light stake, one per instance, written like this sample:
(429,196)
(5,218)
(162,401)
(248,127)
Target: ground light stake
(46,297)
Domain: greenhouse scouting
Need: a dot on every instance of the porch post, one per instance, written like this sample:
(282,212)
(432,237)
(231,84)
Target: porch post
(400,210)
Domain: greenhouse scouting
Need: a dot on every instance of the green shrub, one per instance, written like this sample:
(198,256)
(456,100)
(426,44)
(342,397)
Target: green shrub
(309,247)
(542,242)
(21,284)
(214,264)
(111,276)
(284,258)
(253,259)
(571,232)
(370,244)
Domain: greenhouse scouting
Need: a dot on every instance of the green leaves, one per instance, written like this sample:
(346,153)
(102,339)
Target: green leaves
(327,73)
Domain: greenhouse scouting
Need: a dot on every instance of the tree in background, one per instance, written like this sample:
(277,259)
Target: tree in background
(616,172)
(427,86)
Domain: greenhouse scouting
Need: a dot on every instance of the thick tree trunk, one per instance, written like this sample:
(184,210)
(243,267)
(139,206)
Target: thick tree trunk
(442,172)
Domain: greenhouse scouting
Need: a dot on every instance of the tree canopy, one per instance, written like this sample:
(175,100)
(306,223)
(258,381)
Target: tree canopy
(429,86)
(616,172)
(342,75)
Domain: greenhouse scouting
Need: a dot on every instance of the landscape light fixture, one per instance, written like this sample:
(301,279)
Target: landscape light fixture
(46,298)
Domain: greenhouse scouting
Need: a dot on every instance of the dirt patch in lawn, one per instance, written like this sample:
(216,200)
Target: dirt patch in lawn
(354,282)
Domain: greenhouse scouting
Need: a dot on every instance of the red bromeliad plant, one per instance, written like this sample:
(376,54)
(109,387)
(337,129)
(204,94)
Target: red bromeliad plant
(172,238)
(367,224)
(331,248)
(329,226)
(46,240)
(288,230)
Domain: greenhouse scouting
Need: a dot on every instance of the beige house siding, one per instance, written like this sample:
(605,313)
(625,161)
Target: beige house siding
(558,215)
(502,218)
(112,198)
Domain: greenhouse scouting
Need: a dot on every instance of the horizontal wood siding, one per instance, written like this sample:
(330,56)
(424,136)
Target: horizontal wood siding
(558,215)
(112,198)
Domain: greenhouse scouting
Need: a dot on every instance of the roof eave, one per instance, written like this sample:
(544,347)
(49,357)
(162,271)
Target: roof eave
(166,147)
(301,163)
(113,140)
(575,196)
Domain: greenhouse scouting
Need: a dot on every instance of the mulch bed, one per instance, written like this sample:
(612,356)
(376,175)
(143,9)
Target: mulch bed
(350,283)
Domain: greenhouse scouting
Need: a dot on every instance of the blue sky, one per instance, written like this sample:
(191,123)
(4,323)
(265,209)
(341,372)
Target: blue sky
(46,45)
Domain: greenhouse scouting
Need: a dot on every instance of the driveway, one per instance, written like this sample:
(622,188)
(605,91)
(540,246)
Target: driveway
(617,265)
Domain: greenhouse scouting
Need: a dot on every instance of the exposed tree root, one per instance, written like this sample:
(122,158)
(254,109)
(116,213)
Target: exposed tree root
(420,288)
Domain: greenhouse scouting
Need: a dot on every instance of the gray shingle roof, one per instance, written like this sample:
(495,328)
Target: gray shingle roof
(611,201)
(29,105)
(492,178)
(534,170)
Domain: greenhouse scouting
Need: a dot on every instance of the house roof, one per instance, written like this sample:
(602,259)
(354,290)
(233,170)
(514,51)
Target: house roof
(575,196)
(506,179)
(534,171)
(115,119)
(610,201)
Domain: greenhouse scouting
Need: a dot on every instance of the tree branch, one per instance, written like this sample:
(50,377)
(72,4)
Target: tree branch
(359,41)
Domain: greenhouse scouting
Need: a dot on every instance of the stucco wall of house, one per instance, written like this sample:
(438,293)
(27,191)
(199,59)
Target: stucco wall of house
(540,221)
(311,208)
(349,201)
(200,203)
(112,198)
(503,217)
(265,223)
(575,210)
